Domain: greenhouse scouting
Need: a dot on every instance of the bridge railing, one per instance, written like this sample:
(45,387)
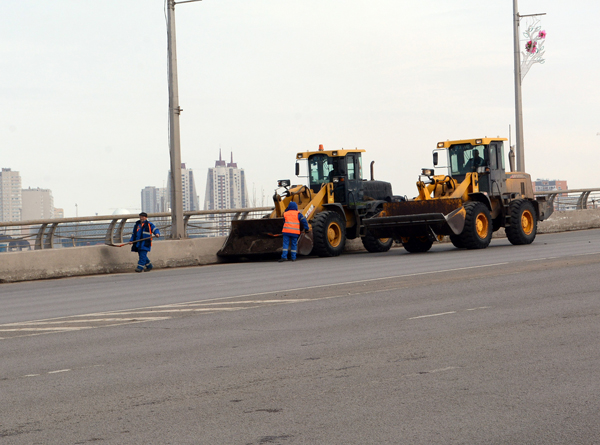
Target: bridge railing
(114,229)
(572,199)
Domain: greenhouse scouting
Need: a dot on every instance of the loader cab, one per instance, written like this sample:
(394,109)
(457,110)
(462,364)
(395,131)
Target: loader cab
(343,168)
(484,156)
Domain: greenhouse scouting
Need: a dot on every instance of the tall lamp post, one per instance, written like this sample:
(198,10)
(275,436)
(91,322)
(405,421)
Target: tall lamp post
(177,229)
(518,98)
(520,72)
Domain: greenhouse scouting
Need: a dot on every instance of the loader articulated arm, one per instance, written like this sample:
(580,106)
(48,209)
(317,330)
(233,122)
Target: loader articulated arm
(448,187)
(309,202)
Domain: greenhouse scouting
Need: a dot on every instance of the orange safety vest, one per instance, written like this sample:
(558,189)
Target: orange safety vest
(292,224)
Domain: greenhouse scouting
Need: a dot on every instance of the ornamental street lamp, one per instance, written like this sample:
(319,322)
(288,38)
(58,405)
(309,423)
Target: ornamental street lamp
(534,50)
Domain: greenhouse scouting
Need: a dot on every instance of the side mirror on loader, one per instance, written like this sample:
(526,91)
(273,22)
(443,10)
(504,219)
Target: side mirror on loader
(435,159)
(297,169)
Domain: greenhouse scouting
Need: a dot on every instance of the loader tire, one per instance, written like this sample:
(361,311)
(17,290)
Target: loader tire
(455,240)
(373,244)
(417,244)
(477,232)
(523,222)
(329,234)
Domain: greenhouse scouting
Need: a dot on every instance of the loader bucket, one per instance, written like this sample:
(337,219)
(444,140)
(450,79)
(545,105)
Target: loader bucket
(418,218)
(259,237)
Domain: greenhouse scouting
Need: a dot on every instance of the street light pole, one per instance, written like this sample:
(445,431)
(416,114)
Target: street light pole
(520,148)
(177,229)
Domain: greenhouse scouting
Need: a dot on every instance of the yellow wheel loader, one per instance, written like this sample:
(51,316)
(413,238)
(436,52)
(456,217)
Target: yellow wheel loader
(335,202)
(475,198)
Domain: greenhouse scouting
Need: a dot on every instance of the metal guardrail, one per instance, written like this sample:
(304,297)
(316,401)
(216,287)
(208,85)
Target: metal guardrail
(92,230)
(115,229)
(572,199)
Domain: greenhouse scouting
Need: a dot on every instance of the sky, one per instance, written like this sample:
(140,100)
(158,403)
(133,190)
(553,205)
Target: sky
(84,90)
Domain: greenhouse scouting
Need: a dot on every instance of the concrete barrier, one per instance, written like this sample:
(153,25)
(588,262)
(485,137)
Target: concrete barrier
(90,260)
(574,220)
(566,222)
(74,261)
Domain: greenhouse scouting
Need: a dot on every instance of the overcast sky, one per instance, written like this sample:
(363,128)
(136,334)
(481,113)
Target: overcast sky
(84,89)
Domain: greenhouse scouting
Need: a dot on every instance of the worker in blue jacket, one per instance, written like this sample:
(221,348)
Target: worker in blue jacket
(143,230)
(294,223)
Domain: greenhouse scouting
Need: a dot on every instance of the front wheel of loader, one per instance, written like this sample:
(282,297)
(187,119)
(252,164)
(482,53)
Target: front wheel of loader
(477,232)
(523,222)
(416,244)
(373,244)
(455,240)
(329,234)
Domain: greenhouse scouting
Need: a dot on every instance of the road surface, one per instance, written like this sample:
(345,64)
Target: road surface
(498,346)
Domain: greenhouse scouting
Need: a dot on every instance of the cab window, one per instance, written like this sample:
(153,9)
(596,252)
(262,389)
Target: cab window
(351,172)
(322,168)
(465,158)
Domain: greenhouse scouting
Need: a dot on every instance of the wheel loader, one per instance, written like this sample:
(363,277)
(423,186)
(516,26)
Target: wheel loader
(335,202)
(475,198)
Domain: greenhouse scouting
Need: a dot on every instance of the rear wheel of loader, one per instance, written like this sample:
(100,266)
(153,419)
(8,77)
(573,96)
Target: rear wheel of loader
(416,244)
(329,234)
(477,232)
(523,222)
(373,244)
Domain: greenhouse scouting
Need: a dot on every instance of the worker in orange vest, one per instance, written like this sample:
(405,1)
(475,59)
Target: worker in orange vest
(295,222)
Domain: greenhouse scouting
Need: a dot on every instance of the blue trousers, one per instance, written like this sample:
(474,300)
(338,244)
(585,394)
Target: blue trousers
(143,254)
(286,244)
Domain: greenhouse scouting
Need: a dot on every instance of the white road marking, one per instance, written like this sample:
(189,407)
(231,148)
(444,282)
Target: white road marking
(251,301)
(45,329)
(154,311)
(449,368)
(432,315)
(62,370)
(88,320)
(478,308)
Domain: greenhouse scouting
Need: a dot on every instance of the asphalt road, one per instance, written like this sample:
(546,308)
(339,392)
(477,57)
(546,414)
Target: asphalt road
(498,346)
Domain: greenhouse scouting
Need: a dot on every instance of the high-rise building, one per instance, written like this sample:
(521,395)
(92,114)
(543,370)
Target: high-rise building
(37,204)
(225,186)
(225,189)
(191,201)
(59,213)
(154,200)
(10,195)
